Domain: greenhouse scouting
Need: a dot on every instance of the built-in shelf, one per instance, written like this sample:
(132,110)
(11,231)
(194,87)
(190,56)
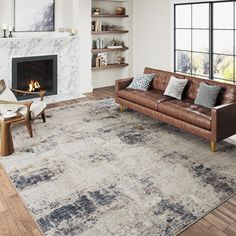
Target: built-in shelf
(109,49)
(111,27)
(116,65)
(109,15)
(110,32)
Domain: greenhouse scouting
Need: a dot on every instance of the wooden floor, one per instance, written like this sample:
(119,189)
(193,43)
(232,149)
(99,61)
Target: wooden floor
(220,222)
(15,219)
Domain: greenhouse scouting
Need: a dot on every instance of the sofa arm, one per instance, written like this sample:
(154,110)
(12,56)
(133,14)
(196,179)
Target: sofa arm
(223,123)
(122,84)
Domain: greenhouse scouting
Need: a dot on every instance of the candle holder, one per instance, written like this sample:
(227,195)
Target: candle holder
(10,34)
(4,33)
(72,32)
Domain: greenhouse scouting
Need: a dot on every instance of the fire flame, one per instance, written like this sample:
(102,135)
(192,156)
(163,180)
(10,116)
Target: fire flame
(33,85)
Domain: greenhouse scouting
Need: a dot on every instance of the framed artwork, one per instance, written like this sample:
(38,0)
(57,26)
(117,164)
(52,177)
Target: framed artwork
(34,15)
(103,57)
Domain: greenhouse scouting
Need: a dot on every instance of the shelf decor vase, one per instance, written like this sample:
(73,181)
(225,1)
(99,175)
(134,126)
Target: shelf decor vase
(120,11)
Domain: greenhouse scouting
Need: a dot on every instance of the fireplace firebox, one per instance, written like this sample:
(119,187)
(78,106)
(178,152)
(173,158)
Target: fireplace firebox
(35,74)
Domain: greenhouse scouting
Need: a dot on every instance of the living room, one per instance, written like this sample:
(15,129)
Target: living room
(117,117)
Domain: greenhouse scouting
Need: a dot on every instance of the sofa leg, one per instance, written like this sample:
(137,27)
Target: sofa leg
(213,146)
(122,108)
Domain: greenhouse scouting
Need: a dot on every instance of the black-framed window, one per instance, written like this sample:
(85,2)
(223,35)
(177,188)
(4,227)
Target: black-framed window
(204,34)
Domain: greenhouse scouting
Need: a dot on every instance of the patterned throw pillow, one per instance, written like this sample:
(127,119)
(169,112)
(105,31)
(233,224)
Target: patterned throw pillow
(142,82)
(207,95)
(176,88)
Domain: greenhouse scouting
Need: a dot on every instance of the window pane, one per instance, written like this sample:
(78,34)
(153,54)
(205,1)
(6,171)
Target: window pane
(223,15)
(235,15)
(223,67)
(183,39)
(201,16)
(224,81)
(183,62)
(223,41)
(183,16)
(200,65)
(200,40)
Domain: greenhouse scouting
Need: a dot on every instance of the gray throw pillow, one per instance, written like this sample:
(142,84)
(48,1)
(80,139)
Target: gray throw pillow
(142,82)
(176,88)
(207,95)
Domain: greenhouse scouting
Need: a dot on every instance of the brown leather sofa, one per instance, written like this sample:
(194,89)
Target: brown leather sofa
(213,124)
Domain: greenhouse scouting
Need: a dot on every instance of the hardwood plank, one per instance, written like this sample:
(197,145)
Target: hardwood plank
(8,227)
(196,230)
(23,219)
(6,186)
(231,230)
(217,222)
(230,207)
(215,231)
(232,201)
(224,217)
(3,205)
(204,223)
(228,211)
(233,227)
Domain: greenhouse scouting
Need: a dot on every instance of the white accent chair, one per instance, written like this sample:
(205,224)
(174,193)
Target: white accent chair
(31,110)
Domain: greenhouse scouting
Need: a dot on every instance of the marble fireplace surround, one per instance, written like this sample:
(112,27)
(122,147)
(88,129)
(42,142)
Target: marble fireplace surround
(67,50)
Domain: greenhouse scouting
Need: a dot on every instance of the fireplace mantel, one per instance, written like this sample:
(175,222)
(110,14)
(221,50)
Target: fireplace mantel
(66,48)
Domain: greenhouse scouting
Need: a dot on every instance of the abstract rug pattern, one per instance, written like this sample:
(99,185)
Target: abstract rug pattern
(93,171)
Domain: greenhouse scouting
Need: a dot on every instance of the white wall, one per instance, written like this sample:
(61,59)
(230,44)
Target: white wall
(63,13)
(82,22)
(63,16)
(152,34)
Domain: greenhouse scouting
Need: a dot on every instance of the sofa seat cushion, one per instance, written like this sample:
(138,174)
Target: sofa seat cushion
(187,111)
(149,99)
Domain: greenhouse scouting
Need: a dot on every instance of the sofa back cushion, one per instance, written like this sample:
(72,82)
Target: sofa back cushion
(162,78)
(227,93)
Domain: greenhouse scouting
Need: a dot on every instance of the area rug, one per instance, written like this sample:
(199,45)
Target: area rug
(93,171)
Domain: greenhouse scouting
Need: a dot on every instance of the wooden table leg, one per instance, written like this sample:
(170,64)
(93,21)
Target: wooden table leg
(7,146)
